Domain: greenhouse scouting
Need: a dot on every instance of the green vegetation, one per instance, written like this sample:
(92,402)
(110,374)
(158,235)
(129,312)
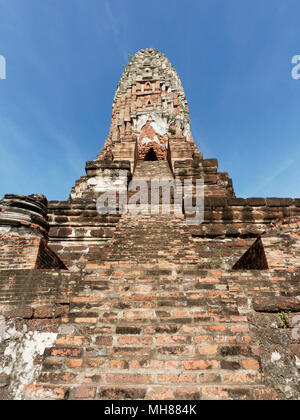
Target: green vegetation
(183,109)
(282,316)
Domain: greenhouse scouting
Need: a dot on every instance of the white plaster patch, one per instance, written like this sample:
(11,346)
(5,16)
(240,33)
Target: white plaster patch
(92,181)
(146,140)
(158,123)
(141,121)
(275,356)
(108,183)
(20,354)
(159,126)
(66,329)
(4,230)
(187,130)
(3,335)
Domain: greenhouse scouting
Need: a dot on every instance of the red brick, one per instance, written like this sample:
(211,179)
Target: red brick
(250,364)
(129,378)
(25,312)
(74,363)
(176,378)
(84,392)
(207,350)
(43,312)
(200,364)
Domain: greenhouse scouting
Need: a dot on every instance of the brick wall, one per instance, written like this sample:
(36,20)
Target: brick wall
(47,259)
(278,248)
(24,233)
(79,234)
(18,252)
(119,332)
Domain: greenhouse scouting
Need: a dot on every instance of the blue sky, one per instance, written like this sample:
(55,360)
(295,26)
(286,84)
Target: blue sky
(64,60)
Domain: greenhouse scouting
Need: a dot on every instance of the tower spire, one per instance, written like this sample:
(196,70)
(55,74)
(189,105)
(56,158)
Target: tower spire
(149,105)
(150,121)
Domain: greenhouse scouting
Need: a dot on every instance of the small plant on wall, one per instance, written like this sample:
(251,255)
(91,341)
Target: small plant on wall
(184,110)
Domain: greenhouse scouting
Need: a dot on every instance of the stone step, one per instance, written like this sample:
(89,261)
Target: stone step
(164,327)
(150,170)
(141,392)
(149,238)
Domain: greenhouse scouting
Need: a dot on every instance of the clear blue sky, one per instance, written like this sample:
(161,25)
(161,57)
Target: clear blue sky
(64,60)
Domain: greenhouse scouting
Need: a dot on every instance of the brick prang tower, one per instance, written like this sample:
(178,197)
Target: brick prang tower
(147,306)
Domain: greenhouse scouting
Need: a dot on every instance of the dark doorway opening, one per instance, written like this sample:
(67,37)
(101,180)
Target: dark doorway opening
(151,155)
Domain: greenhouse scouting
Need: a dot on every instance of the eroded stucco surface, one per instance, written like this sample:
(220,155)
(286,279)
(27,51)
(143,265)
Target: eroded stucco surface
(20,350)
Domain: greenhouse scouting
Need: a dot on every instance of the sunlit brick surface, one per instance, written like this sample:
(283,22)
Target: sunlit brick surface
(144,306)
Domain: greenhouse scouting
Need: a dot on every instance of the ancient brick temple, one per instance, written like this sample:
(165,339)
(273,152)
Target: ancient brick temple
(147,306)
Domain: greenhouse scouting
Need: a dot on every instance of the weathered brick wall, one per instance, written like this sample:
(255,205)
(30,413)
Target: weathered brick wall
(159,149)
(24,233)
(79,234)
(275,327)
(158,333)
(254,258)
(217,184)
(240,217)
(278,248)
(25,252)
(32,304)
(102,176)
(282,244)
(18,252)
(47,259)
